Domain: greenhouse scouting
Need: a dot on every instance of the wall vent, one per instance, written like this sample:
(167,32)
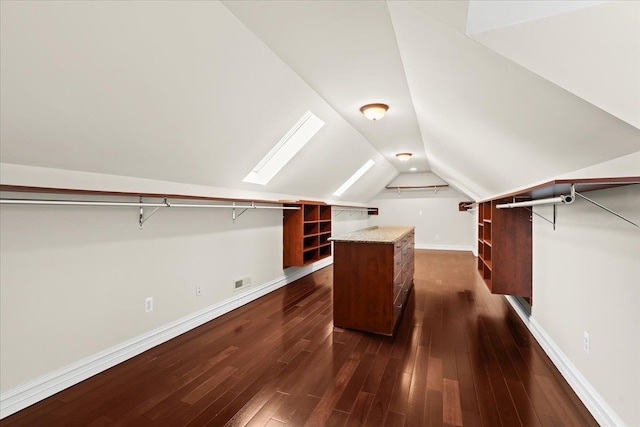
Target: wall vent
(241,283)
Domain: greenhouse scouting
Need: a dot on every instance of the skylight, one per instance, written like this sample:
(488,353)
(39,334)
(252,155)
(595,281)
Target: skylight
(285,149)
(356,176)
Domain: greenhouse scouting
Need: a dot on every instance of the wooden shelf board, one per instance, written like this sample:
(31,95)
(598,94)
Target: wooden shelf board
(409,187)
(311,248)
(52,190)
(563,186)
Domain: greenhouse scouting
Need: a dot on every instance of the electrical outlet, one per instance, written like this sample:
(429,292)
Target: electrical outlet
(585,342)
(148,305)
(198,290)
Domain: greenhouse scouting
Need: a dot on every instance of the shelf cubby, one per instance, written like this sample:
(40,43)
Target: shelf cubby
(305,233)
(325,213)
(325,226)
(310,212)
(310,242)
(311,228)
(310,256)
(487,232)
(324,251)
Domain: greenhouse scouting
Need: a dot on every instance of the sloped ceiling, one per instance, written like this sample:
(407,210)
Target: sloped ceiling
(348,53)
(173,91)
(489,125)
(578,49)
(198,92)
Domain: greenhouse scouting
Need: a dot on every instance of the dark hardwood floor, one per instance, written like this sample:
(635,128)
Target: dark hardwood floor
(461,357)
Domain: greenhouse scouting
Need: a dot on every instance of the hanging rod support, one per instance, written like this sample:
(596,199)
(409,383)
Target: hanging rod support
(362,211)
(546,219)
(564,199)
(144,219)
(606,209)
(235,216)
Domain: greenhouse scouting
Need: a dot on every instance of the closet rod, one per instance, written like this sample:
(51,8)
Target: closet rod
(566,199)
(135,204)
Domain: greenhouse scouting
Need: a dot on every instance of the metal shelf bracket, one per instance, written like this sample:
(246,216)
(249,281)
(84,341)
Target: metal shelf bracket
(606,209)
(543,217)
(235,216)
(352,211)
(142,219)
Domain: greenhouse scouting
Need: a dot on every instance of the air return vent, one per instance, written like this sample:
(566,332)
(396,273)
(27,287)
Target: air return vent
(241,283)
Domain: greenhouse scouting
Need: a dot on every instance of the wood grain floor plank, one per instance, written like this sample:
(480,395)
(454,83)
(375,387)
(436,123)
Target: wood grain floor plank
(418,389)
(451,407)
(394,419)
(337,419)
(434,374)
(350,393)
(434,409)
(383,395)
(327,403)
(360,409)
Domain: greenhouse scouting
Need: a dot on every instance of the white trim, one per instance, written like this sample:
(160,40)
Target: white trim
(444,247)
(599,408)
(34,391)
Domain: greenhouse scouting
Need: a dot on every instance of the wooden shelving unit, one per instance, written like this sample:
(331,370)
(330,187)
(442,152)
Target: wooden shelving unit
(306,234)
(505,235)
(504,249)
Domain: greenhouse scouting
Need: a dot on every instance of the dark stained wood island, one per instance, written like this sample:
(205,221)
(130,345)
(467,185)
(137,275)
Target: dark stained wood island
(372,277)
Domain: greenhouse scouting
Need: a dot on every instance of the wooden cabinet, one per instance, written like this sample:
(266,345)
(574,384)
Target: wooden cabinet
(306,234)
(372,279)
(504,249)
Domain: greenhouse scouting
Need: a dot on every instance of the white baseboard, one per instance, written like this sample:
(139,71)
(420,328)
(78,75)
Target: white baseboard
(19,398)
(444,247)
(599,408)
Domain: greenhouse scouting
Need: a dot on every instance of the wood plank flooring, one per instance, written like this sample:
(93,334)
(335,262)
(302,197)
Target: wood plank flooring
(461,357)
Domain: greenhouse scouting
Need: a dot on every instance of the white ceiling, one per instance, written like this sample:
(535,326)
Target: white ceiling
(198,92)
(492,125)
(346,51)
(579,52)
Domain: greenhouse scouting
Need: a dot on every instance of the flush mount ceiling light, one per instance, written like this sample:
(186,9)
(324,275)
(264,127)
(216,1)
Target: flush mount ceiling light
(403,157)
(374,111)
(413,169)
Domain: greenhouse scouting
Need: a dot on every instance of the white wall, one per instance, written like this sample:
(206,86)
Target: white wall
(345,221)
(438,223)
(586,278)
(73,280)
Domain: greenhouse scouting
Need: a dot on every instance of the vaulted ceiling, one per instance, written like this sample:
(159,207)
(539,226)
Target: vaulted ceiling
(199,92)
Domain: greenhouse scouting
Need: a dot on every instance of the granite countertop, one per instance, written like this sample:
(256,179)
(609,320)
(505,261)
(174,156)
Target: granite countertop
(376,234)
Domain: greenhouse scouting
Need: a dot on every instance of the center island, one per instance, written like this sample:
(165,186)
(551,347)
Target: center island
(372,277)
